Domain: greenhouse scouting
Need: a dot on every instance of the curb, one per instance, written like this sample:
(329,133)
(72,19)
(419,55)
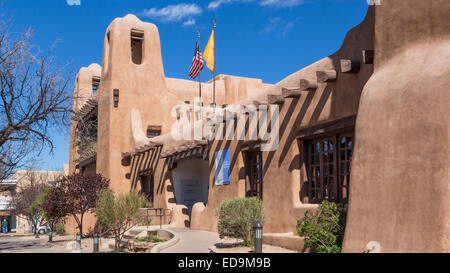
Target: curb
(160,247)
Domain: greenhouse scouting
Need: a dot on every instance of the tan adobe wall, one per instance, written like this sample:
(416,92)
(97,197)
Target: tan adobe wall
(400,190)
(283,174)
(82,92)
(146,98)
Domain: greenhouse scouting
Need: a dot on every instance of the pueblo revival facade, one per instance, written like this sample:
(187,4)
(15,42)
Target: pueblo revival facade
(365,126)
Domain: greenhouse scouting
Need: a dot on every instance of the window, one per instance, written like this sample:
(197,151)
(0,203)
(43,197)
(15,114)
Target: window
(137,46)
(328,166)
(95,84)
(153,131)
(147,187)
(254,174)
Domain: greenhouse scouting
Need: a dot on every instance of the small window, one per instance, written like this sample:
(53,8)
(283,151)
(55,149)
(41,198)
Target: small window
(95,84)
(153,131)
(254,174)
(137,46)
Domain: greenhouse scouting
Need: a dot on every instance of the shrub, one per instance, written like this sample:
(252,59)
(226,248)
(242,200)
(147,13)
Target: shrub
(323,230)
(59,229)
(238,216)
(119,214)
(151,239)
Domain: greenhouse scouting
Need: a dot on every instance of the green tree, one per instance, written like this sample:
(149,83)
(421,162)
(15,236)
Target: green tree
(118,214)
(323,230)
(238,216)
(35,211)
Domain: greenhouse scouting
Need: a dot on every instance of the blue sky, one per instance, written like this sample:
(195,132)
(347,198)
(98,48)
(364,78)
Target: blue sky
(267,39)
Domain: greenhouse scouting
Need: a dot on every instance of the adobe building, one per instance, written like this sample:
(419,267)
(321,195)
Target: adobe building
(373,113)
(18,181)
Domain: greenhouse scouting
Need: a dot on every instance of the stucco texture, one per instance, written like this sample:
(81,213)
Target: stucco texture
(399,195)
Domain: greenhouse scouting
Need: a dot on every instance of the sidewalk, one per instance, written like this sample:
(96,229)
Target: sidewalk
(193,241)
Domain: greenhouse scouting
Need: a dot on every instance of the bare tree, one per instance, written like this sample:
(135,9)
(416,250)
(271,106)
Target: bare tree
(34,98)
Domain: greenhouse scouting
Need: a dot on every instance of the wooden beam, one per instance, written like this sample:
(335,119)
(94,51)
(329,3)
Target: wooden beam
(326,76)
(275,99)
(349,66)
(368,56)
(258,103)
(308,85)
(291,92)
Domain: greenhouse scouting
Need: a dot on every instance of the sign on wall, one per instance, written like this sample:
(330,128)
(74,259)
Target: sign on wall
(222,168)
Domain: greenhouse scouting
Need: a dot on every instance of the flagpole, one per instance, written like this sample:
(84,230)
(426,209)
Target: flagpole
(214,72)
(199,74)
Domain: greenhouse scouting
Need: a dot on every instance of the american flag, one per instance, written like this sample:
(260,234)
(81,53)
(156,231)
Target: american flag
(197,62)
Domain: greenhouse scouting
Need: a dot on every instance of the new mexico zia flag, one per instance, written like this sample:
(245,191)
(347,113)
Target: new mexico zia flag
(208,55)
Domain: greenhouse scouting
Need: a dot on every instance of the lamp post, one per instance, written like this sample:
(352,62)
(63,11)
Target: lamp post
(78,240)
(96,243)
(258,237)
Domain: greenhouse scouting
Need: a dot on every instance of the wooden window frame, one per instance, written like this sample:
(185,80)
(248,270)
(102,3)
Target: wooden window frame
(95,84)
(341,167)
(137,44)
(153,129)
(149,193)
(254,173)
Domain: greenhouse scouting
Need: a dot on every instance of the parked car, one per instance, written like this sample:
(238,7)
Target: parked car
(43,229)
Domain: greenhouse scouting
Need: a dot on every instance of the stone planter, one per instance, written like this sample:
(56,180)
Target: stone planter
(140,247)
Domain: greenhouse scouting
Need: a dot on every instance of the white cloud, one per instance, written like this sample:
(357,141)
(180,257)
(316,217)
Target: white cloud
(281,3)
(172,12)
(278,26)
(217,3)
(73,2)
(285,29)
(273,23)
(270,3)
(189,22)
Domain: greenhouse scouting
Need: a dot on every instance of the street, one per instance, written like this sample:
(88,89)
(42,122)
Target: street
(29,244)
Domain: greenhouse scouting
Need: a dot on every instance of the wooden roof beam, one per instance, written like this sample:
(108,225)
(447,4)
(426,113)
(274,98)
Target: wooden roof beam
(349,66)
(275,99)
(326,76)
(308,85)
(257,103)
(291,92)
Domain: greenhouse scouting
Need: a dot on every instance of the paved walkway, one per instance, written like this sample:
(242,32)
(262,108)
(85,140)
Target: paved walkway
(193,241)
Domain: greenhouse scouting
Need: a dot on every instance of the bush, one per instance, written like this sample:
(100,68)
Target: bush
(59,229)
(238,216)
(118,214)
(323,230)
(151,239)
